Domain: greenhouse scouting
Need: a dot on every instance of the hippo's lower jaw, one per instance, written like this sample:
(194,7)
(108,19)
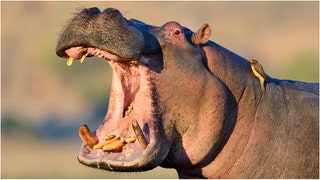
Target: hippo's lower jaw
(132,97)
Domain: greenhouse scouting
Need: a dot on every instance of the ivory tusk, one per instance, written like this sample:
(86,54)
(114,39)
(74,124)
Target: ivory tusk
(84,57)
(70,61)
(87,137)
(138,132)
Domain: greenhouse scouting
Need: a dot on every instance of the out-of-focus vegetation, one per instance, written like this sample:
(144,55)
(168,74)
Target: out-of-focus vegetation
(44,102)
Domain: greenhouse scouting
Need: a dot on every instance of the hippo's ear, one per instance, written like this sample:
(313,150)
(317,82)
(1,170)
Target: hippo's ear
(202,35)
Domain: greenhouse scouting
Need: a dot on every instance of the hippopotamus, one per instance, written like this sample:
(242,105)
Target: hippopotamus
(192,104)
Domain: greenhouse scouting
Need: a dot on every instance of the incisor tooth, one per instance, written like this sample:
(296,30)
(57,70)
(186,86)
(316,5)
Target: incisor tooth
(87,137)
(100,145)
(98,54)
(109,137)
(129,109)
(84,57)
(114,146)
(134,62)
(81,50)
(130,140)
(70,61)
(138,132)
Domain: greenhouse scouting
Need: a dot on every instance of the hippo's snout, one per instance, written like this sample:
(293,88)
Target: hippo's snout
(134,55)
(107,30)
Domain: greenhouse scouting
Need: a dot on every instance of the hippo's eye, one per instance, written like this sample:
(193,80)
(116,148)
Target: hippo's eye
(175,32)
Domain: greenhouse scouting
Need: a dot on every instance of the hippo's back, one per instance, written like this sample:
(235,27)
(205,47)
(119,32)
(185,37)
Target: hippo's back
(287,130)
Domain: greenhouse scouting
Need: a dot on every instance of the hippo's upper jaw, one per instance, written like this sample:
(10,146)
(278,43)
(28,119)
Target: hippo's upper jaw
(132,96)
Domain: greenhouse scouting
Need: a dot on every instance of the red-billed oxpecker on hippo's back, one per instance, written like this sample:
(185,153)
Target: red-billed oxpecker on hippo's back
(179,100)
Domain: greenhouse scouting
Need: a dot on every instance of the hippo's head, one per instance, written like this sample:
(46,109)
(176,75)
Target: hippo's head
(159,73)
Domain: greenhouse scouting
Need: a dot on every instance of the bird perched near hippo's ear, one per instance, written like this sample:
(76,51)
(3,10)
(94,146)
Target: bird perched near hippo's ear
(258,71)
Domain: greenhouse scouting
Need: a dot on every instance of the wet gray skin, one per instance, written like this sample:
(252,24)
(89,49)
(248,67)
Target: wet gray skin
(199,105)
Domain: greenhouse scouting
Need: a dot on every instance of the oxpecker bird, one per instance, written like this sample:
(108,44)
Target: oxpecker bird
(258,71)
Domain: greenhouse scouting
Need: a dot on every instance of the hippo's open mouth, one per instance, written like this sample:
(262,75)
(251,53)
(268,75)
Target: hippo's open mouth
(133,106)
(131,101)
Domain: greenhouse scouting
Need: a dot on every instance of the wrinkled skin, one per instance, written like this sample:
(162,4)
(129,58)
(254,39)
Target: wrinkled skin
(200,106)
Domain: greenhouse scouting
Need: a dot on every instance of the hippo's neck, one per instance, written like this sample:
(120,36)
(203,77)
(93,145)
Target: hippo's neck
(235,73)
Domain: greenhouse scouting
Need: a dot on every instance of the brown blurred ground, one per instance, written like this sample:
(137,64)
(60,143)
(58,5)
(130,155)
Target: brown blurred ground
(44,102)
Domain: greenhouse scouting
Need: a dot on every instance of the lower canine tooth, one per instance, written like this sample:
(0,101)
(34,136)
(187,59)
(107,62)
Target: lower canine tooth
(70,61)
(87,137)
(138,132)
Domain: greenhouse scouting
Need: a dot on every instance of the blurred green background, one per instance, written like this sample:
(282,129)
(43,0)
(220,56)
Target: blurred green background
(44,102)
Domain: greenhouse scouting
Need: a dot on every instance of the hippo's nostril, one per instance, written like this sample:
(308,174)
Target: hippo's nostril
(91,11)
(112,11)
